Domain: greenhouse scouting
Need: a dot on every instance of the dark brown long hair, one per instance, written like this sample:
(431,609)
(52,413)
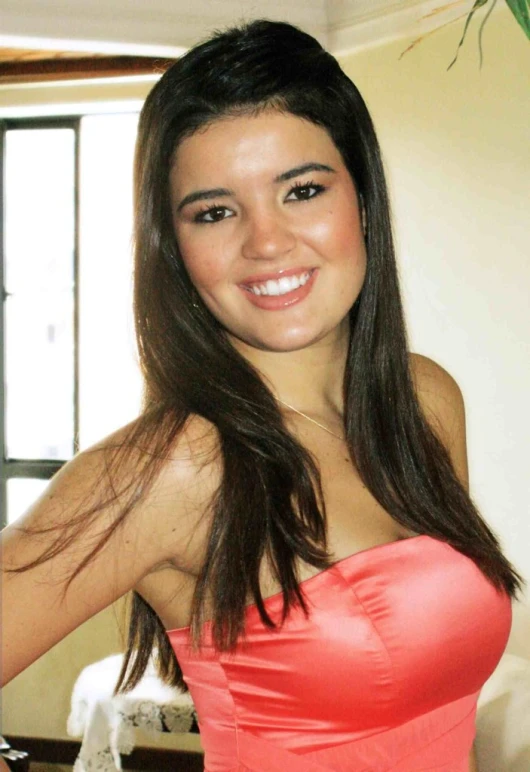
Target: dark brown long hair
(190,367)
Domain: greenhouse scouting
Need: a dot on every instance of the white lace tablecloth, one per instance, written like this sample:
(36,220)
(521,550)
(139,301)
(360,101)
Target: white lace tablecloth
(106,722)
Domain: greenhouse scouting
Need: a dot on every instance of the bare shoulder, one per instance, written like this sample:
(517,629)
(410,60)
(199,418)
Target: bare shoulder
(74,552)
(437,389)
(180,498)
(442,403)
(108,476)
(181,481)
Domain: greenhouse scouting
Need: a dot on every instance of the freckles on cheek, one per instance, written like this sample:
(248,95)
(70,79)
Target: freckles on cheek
(200,260)
(203,270)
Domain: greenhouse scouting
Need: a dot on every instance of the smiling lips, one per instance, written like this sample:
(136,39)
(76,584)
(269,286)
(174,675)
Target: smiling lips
(280,286)
(276,293)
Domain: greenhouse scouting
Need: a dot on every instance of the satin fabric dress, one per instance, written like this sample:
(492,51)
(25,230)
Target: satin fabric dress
(384,673)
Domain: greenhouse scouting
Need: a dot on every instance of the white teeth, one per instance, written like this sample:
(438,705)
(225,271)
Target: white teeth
(272,287)
(288,284)
(280,286)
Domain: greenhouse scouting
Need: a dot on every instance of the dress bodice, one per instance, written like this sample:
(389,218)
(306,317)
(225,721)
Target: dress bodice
(383,674)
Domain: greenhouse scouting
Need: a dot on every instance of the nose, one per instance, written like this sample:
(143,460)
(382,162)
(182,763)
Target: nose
(267,237)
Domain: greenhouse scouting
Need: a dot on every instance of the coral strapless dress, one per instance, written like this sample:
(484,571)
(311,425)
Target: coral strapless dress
(383,675)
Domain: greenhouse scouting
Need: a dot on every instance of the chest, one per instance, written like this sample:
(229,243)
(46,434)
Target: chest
(355,522)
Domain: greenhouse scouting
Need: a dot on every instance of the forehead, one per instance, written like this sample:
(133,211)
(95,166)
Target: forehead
(247,146)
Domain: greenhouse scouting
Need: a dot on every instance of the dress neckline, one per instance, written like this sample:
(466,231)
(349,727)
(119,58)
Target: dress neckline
(304,583)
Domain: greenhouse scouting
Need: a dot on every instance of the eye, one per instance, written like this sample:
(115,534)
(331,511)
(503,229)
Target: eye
(212,214)
(303,191)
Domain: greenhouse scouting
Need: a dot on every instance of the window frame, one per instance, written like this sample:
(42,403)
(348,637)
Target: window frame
(42,469)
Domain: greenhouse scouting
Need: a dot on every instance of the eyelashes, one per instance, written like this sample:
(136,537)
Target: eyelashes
(301,191)
(211,214)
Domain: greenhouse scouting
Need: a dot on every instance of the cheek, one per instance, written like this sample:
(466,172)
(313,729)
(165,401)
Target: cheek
(350,249)
(339,236)
(202,261)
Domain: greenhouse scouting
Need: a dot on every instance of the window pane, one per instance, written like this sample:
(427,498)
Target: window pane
(21,493)
(39,367)
(109,378)
(40,241)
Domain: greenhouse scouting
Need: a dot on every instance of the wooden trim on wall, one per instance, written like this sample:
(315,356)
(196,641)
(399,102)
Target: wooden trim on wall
(80,68)
(148,759)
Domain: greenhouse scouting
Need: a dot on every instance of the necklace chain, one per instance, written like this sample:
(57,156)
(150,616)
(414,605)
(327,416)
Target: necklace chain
(310,419)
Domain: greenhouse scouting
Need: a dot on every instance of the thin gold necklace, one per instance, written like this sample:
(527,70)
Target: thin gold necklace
(310,419)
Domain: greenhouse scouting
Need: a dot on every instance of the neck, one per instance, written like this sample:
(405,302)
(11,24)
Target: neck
(309,379)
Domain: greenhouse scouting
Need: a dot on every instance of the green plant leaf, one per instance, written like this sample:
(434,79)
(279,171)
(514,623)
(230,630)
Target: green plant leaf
(521,11)
(481,31)
(477,4)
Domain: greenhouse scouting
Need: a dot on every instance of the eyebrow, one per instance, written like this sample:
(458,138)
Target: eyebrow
(298,170)
(201,195)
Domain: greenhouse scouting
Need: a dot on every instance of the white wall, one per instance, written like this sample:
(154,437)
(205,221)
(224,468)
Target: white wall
(457,150)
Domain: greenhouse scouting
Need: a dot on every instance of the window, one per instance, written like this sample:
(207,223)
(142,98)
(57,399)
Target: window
(67,360)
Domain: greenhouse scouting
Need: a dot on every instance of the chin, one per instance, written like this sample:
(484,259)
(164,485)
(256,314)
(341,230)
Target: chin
(285,341)
(282,347)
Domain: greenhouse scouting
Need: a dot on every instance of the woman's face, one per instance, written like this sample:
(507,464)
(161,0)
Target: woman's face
(267,221)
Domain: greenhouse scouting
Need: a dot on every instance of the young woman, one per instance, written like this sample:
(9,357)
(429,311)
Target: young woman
(292,503)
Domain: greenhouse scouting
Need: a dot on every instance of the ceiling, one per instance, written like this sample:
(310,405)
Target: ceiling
(164,26)
(59,32)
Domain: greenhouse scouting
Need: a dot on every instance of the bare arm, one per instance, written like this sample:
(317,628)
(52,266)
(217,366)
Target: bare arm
(39,606)
(473,767)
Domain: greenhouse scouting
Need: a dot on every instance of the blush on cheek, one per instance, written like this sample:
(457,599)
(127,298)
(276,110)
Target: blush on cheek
(202,269)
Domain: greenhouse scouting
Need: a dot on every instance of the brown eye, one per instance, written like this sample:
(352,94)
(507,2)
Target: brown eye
(304,192)
(212,214)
